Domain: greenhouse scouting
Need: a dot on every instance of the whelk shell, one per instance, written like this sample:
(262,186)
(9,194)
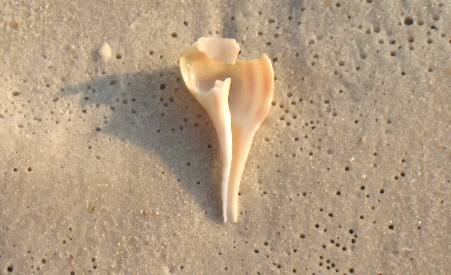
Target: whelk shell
(237,96)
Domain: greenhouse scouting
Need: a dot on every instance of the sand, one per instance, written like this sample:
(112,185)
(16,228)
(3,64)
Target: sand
(110,166)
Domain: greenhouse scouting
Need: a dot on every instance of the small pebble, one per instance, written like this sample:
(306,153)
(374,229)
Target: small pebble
(105,52)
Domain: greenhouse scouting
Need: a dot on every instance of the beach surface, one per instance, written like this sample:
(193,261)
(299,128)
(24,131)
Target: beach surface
(109,165)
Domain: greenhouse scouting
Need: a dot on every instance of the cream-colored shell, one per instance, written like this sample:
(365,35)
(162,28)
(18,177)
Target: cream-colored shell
(237,96)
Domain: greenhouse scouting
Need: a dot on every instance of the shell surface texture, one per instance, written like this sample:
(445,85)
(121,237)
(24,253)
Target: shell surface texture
(237,96)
